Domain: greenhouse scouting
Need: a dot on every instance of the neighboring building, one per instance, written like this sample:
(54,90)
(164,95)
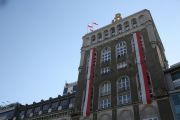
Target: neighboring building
(70,88)
(59,108)
(121,72)
(9,111)
(172,76)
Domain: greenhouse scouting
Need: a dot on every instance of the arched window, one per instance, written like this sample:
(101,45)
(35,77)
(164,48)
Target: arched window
(121,49)
(105,95)
(106,34)
(119,28)
(112,31)
(99,36)
(134,22)
(123,91)
(106,54)
(126,25)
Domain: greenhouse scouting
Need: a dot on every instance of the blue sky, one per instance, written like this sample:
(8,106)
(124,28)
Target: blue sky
(40,40)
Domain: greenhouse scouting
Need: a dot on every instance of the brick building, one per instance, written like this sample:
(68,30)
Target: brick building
(122,70)
(123,75)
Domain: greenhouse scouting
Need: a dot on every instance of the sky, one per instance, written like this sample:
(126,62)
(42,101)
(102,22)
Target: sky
(40,41)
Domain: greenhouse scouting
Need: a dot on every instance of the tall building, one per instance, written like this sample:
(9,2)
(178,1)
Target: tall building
(123,75)
(121,72)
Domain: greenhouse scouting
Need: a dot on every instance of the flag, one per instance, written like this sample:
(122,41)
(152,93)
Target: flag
(94,23)
(90,26)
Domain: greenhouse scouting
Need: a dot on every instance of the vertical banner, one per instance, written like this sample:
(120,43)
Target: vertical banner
(90,77)
(142,70)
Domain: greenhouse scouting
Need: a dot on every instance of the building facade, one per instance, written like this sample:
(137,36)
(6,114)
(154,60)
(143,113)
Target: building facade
(121,72)
(172,76)
(123,75)
(59,108)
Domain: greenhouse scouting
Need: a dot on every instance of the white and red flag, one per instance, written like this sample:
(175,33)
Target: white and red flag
(92,26)
(142,70)
(90,77)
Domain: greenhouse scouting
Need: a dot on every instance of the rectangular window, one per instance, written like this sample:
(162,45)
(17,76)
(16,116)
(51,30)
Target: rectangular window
(105,70)
(124,99)
(105,103)
(175,76)
(54,105)
(121,65)
(64,104)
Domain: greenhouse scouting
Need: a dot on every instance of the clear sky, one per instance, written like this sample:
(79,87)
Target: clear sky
(40,40)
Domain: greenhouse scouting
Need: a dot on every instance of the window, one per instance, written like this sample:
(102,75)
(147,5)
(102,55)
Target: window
(105,95)
(121,65)
(134,22)
(29,112)
(112,31)
(45,107)
(149,83)
(126,25)
(119,28)
(121,49)
(105,89)
(105,103)
(106,54)
(175,76)
(36,110)
(124,99)
(54,105)
(105,70)
(176,105)
(99,36)
(106,34)
(123,84)
(64,104)
(93,38)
